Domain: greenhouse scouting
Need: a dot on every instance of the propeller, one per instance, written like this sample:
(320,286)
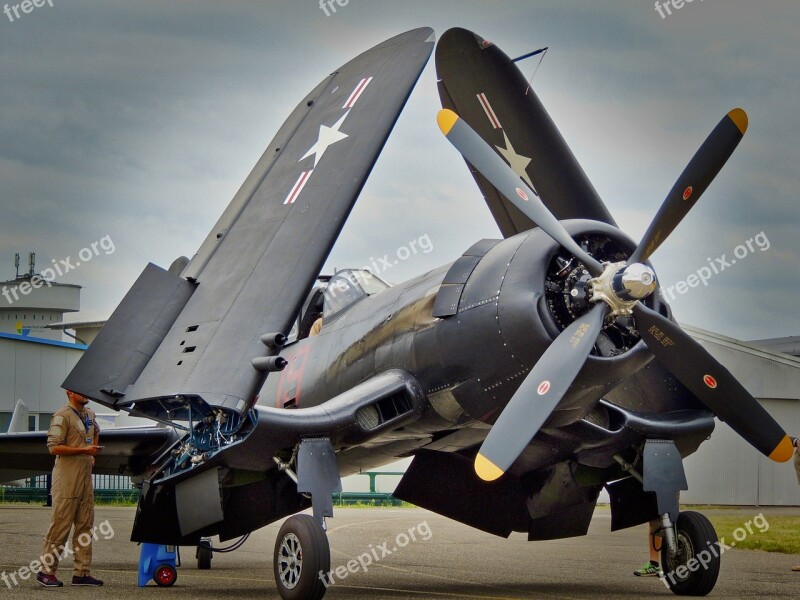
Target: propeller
(547,383)
(617,289)
(712,383)
(695,179)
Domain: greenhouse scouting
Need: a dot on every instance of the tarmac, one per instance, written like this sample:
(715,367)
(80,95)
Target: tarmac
(419,555)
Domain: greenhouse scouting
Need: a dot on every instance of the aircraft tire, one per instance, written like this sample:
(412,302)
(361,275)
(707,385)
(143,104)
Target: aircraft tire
(301,553)
(695,569)
(204,555)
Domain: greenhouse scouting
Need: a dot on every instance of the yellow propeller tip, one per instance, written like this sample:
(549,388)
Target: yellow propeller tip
(446,119)
(486,469)
(739,118)
(783,451)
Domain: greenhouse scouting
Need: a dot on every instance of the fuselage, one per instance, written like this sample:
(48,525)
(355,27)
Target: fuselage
(469,363)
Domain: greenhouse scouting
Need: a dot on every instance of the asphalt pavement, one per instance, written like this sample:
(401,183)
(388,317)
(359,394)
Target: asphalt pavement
(413,554)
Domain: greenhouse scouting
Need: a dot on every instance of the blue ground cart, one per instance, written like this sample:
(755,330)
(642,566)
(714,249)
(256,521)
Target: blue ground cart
(158,562)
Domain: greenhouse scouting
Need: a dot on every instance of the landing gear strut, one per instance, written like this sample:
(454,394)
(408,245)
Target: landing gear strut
(694,568)
(302,554)
(689,555)
(302,559)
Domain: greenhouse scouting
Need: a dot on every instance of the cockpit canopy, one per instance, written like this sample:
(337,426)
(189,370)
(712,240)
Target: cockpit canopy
(347,287)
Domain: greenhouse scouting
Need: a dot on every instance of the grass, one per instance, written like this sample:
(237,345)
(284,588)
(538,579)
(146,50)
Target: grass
(121,498)
(783,534)
(362,504)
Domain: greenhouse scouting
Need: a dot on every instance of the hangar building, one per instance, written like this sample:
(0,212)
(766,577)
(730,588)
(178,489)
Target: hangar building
(35,359)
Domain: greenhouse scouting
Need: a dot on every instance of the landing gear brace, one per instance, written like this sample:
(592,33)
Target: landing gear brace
(302,553)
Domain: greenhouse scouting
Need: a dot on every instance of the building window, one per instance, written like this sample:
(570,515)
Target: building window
(44,421)
(5,421)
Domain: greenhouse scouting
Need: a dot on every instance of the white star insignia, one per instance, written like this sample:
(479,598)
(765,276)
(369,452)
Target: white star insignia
(327,137)
(517,162)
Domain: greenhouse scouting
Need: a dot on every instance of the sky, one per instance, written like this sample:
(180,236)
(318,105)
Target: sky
(131,125)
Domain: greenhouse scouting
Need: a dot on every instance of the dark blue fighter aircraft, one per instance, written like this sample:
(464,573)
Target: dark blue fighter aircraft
(523,378)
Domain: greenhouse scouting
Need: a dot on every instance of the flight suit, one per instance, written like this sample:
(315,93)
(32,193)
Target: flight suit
(72,490)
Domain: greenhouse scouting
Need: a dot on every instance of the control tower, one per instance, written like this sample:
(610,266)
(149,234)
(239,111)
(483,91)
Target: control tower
(29,302)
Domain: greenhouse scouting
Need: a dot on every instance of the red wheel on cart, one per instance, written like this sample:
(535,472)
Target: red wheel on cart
(165,576)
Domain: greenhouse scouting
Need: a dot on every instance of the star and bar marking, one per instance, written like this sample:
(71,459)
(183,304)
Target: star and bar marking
(516,161)
(328,135)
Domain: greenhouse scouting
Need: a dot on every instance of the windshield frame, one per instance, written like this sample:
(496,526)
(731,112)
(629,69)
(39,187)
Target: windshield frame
(353,285)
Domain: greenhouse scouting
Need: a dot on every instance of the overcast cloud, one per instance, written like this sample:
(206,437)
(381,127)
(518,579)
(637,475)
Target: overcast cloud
(139,120)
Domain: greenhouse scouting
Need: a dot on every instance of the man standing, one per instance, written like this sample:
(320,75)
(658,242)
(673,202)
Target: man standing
(73,438)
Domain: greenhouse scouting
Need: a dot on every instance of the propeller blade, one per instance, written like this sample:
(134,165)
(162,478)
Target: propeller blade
(712,383)
(539,395)
(695,179)
(489,164)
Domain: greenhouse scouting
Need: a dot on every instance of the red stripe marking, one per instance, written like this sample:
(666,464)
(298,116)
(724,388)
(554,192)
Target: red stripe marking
(487,108)
(362,85)
(298,187)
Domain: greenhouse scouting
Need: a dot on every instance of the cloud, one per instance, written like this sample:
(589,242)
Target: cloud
(141,121)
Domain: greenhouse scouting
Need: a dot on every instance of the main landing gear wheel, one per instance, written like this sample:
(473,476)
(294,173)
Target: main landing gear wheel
(204,554)
(165,576)
(301,552)
(695,568)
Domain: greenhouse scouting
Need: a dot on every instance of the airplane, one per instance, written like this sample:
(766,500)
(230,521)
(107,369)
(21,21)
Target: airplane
(523,378)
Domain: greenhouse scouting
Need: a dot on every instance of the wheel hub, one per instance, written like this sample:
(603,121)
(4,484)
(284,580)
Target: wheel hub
(290,561)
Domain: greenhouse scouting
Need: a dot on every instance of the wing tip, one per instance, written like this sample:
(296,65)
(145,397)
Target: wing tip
(783,451)
(740,119)
(446,119)
(486,469)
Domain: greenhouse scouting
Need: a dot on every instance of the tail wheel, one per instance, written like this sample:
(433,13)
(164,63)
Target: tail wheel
(165,576)
(301,552)
(204,554)
(693,571)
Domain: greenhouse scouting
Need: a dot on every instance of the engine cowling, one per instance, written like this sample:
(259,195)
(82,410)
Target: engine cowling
(519,297)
